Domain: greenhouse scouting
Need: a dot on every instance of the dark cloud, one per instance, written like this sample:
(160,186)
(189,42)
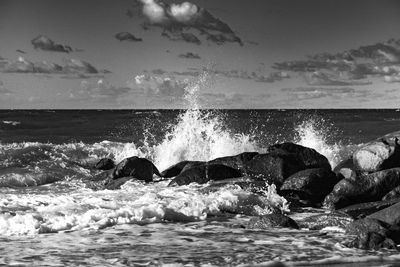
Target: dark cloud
(329,79)
(190,55)
(176,20)
(71,66)
(182,36)
(127,36)
(44,43)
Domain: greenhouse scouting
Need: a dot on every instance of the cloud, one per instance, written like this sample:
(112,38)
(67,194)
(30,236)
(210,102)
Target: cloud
(160,86)
(307,93)
(329,79)
(127,36)
(71,66)
(177,19)
(4,90)
(100,89)
(44,43)
(190,55)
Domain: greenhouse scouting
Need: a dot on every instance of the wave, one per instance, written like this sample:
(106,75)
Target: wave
(13,123)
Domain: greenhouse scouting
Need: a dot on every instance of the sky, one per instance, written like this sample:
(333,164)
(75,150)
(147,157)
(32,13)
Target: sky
(146,54)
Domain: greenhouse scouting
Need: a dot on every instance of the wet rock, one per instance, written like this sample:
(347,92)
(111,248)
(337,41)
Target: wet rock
(237,162)
(274,167)
(345,168)
(377,155)
(371,234)
(320,221)
(139,168)
(104,164)
(362,210)
(308,156)
(365,188)
(117,183)
(204,173)
(394,194)
(390,215)
(177,168)
(271,220)
(310,184)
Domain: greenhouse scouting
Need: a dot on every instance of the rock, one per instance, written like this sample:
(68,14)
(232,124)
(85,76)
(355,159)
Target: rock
(105,164)
(310,184)
(345,168)
(362,210)
(271,220)
(273,167)
(204,173)
(245,182)
(320,221)
(139,168)
(176,169)
(308,156)
(365,188)
(237,162)
(390,215)
(376,156)
(371,234)
(394,194)
(117,183)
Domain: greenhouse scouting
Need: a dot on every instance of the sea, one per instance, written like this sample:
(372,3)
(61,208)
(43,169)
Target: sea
(52,213)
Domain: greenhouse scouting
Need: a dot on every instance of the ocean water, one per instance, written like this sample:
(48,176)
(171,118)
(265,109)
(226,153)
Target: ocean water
(52,212)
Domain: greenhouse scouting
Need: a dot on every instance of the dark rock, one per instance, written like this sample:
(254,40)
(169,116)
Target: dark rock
(377,155)
(176,169)
(371,234)
(362,210)
(310,184)
(204,173)
(117,183)
(105,164)
(320,221)
(274,167)
(139,168)
(345,168)
(366,188)
(390,215)
(237,162)
(394,194)
(247,183)
(271,220)
(308,156)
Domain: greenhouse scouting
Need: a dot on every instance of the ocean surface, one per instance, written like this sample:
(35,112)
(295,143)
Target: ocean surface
(52,213)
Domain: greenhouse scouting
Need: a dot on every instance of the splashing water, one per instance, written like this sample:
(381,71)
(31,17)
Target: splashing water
(199,135)
(315,134)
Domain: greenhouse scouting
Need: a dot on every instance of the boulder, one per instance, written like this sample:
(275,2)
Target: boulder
(139,168)
(177,168)
(365,188)
(361,210)
(345,168)
(308,156)
(274,167)
(377,155)
(389,215)
(266,222)
(371,234)
(237,162)
(310,184)
(204,173)
(117,183)
(320,221)
(104,164)
(394,194)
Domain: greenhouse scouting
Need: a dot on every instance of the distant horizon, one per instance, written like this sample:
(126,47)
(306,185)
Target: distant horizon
(145,54)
